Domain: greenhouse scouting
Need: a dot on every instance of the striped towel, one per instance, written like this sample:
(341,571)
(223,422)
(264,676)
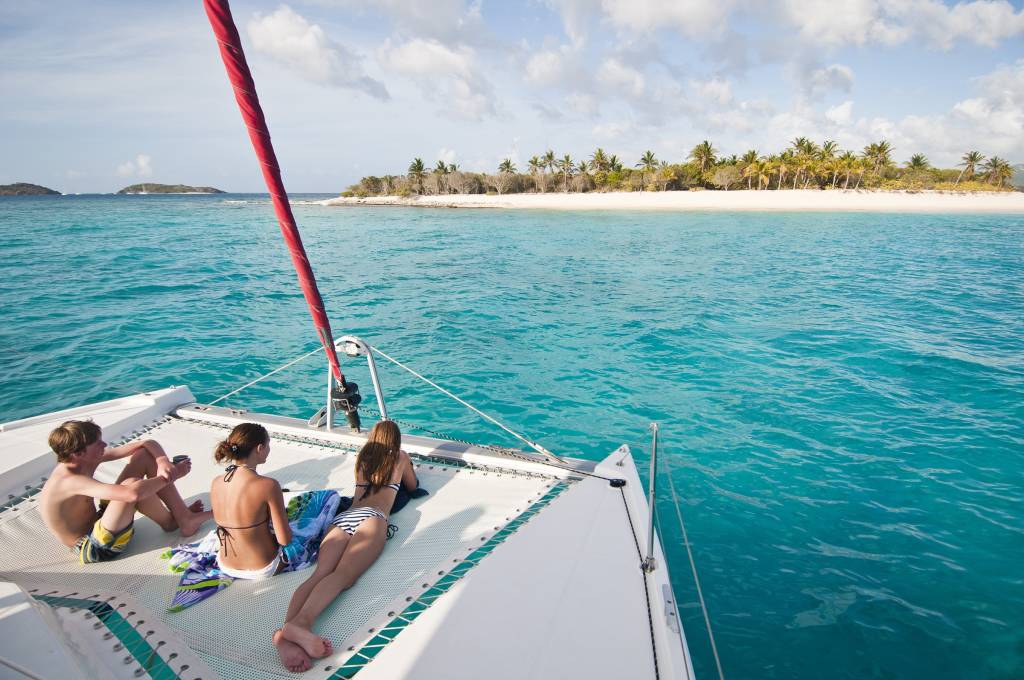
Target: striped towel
(309,515)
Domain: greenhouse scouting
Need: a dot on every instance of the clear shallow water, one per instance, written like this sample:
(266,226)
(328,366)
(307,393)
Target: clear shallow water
(841,396)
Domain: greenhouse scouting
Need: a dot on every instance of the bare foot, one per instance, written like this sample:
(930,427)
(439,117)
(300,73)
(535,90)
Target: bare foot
(314,645)
(197,506)
(193,521)
(293,657)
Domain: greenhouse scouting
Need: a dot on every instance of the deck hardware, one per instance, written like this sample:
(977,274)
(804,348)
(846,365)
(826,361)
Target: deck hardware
(108,635)
(371,630)
(185,667)
(139,672)
(671,618)
(649,562)
(391,613)
(617,483)
(352,648)
(128,659)
(118,647)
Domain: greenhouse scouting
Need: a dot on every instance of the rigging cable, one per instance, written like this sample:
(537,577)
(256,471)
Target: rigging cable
(536,447)
(693,567)
(267,375)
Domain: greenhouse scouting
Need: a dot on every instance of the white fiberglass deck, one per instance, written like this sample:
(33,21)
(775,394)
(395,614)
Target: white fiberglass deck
(508,569)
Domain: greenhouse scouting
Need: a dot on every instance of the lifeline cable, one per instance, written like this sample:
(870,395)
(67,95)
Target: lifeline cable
(693,567)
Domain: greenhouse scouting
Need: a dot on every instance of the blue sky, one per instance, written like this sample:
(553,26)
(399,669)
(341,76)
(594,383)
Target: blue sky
(99,95)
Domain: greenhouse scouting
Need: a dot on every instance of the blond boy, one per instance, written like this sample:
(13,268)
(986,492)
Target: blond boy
(67,502)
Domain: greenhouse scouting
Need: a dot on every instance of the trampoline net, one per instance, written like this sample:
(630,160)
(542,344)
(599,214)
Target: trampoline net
(231,631)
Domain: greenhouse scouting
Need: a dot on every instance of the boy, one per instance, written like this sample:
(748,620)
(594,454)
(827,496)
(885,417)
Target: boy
(66,502)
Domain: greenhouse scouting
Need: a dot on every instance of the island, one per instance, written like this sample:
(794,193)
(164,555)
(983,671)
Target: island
(168,189)
(26,189)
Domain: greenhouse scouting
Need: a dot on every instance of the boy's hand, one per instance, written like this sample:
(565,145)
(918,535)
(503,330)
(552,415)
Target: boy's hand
(163,465)
(181,467)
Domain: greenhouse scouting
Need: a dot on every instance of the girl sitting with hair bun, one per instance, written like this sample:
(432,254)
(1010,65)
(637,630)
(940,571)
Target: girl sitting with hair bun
(246,505)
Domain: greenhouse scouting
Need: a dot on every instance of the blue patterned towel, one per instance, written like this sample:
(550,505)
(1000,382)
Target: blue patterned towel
(309,515)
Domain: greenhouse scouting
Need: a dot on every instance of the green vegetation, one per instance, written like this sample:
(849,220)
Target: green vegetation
(168,189)
(803,165)
(25,189)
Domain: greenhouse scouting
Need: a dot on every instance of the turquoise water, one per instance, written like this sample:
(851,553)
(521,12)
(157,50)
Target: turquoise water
(841,397)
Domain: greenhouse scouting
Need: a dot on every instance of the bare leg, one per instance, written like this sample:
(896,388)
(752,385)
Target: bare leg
(332,547)
(167,508)
(293,657)
(119,514)
(363,549)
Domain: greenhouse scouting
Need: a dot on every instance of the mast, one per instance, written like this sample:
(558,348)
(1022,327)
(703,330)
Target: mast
(248,103)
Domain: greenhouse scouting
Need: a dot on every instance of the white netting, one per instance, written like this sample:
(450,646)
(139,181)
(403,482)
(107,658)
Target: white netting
(232,629)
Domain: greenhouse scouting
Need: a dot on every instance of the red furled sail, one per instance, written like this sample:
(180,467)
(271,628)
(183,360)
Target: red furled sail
(245,94)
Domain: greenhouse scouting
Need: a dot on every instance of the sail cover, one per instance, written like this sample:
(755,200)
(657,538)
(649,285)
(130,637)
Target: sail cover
(245,94)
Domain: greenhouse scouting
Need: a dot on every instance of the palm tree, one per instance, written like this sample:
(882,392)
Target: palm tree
(783,165)
(847,163)
(507,167)
(440,170)
(747,160)
(879,154)
(998,169)
(614,164)
(917,163)
(647,163)
(971,160)
(416,173)
(565,165)
(703,155)
(548,159)
(828,150)
(599,161)
(536,164)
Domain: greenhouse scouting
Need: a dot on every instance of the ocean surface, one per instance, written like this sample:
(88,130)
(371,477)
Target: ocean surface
(840,396)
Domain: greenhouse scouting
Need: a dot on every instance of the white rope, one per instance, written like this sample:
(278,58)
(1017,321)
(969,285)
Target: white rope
(263,377)
(19,669)
(693,567)
(536,447)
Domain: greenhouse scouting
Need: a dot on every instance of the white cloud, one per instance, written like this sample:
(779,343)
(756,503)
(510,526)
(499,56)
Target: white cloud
(840,114)
(857,22)
(616,75)
(446,155)
(833,77)
(612,130)
(715,91)
(447,75)
(890,22)
(998,113)
(692,18)
(442,20)
(983,22)
(547,67)
(576,17)
(304,48)
(582,103)
(139,167)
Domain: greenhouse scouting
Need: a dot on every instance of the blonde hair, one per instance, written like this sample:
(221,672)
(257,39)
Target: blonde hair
(379,455)
(72,437)
(242,441)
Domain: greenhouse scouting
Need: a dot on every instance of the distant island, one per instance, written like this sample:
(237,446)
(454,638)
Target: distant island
(168,189)
(25,189)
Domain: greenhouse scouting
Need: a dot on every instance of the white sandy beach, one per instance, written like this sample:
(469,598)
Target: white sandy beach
(784,201)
